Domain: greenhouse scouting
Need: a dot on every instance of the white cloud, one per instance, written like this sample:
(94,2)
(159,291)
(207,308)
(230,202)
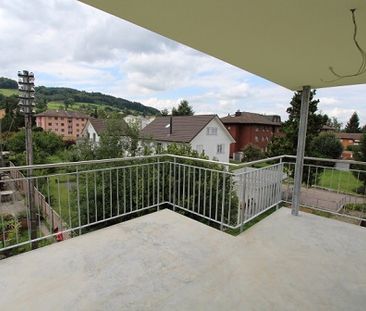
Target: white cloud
(67,43)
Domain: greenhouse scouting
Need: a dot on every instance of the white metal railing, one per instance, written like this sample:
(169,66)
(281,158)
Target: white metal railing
(73,198)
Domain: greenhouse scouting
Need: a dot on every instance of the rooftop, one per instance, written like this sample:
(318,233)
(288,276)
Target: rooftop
(353,136)
(99,125)
(62,113)
(165,261)
(184,128)
(252,118)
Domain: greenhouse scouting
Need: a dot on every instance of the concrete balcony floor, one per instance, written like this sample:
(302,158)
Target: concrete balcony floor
(165,261)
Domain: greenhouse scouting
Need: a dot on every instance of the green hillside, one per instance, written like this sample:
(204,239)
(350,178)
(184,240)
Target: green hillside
(80,100)
(8,92)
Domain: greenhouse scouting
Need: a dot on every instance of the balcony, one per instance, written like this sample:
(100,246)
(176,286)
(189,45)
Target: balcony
(162,259)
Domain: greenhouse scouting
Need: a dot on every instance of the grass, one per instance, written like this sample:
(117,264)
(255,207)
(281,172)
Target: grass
(343,181)
(77,106)
(8,92)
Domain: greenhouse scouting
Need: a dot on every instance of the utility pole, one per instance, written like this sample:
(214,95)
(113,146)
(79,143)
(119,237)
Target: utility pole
(26,103)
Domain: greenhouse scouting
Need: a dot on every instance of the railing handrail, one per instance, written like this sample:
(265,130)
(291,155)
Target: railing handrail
(157,156)
(104,161)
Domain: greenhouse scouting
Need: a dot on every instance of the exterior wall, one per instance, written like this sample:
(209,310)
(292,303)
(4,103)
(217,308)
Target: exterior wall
(348,142)
(91,133)
(210,142)
(69,128)
(255,134)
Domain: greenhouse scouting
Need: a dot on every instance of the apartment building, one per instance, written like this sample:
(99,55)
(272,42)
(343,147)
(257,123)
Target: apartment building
(251,128)
(68,124)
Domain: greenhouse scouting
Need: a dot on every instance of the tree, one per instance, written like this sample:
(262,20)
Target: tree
(353,125)
(112,143)
(290,128)
(184,109)
(252,153)
(68,102)
(326,145)
(6,83)
(334,123)
(45,144)
(164,112)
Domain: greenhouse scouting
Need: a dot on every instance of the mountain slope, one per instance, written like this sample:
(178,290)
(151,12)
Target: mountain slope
(59,94)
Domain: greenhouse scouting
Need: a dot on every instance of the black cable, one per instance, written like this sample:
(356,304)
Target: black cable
(362,68)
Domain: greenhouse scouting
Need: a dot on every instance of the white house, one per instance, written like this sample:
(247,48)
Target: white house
(205,133)
(93,129)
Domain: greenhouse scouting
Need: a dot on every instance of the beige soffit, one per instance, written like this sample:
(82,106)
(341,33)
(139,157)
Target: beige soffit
(290,42)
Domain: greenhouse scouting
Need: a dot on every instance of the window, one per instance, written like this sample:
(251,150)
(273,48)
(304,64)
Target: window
(62,118)
(220,148)
(257,129)
(56,118)
(94,137)
(212,131)
(262,138)
(62,130)
(256,138)
(77,124)
(82,119)
(49,124)
(199,149)
(350,141)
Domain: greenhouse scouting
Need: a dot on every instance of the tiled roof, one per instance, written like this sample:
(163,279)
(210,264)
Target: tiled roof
(99,125)
(353,136)
(251,118)
(62,113)
(184,128)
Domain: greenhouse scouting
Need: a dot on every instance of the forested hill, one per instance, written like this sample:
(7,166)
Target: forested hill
(61,94)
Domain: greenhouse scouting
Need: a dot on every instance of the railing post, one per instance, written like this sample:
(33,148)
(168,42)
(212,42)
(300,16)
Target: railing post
(175,183)
(158,186)
(304,112)
(223,197)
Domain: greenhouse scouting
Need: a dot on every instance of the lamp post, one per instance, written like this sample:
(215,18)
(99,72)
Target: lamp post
(26,103)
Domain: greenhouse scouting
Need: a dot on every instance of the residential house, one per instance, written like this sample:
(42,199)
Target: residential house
(347,140)
(93,129)
(251,128)
(205,133)
(68,124)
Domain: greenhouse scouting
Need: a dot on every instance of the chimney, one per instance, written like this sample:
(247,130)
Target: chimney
(238,113)
(171,126)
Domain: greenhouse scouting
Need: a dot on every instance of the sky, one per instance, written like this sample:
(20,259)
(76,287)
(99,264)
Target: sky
(67,43)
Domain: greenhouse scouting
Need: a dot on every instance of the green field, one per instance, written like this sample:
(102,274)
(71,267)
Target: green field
(78,106)
(8,92)
(339,180)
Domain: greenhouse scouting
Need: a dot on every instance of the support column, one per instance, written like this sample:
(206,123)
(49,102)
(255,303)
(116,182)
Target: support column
(301,139)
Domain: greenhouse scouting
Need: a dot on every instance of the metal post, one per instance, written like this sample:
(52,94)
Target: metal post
(304,112)
(26,98)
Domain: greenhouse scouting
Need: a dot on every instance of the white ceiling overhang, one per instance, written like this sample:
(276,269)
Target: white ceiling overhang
(290,42)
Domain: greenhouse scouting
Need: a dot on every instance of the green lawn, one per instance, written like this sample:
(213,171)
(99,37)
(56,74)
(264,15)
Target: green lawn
(77,106)
(8,92)
(339,180)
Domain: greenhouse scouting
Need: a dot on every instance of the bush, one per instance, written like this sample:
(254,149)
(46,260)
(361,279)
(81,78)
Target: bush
(252,153)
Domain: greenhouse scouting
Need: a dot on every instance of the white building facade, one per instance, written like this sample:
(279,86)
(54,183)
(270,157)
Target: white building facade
(205,134)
